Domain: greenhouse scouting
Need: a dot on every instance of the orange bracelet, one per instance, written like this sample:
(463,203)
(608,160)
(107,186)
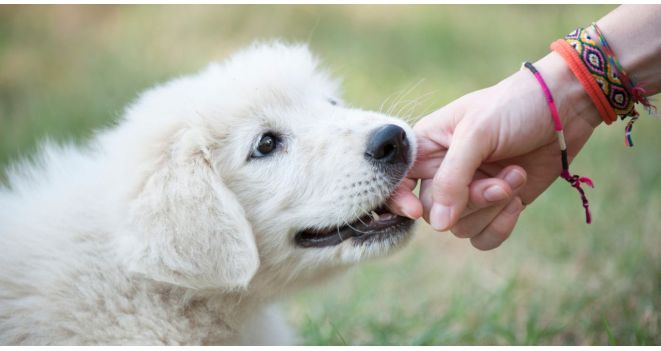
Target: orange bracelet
(583,75)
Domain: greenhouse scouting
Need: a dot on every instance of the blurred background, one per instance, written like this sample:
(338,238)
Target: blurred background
(66,70)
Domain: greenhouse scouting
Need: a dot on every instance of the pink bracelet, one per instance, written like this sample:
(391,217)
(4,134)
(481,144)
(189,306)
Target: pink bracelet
(574,180)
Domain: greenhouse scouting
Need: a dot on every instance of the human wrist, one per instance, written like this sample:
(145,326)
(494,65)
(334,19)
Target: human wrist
(570,97)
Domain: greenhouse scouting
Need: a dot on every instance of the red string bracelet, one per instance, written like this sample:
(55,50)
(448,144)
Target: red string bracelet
(574,180)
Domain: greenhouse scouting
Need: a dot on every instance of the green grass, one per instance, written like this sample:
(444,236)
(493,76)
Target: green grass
(66,70)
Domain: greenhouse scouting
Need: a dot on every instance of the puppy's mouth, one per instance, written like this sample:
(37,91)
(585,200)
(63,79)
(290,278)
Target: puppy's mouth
(379,224)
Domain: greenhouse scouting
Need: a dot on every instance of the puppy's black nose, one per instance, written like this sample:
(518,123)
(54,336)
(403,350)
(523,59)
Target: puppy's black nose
(388,144)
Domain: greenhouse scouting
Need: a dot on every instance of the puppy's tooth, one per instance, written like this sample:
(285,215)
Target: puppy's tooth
(387,216)
(375,216)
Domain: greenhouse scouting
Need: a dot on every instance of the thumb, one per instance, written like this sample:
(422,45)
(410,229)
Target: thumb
(450,189)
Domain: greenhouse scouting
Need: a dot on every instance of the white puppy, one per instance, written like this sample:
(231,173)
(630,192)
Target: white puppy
(213,195)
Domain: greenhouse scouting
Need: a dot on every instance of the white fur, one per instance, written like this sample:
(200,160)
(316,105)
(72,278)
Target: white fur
(163,231)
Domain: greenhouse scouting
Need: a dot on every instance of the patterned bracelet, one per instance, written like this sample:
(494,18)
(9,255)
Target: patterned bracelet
(574,180)
(602,70)
(618,88)
(638,93)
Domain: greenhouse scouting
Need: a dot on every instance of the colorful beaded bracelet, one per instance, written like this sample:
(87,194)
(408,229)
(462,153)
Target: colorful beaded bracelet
(574,180)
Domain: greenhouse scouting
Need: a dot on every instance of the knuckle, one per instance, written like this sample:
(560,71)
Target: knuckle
(495,233)
(501,234)
(500,230)
(443,186)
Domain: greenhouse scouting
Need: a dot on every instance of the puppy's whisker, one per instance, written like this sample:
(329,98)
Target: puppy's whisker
(360,218)
(337,227)
(404,95)
(394,104)
(367,213)
(361,221)
(412,104)
(391,96)
(396,96)
(313,30)
(356,230)
(425,111)
(406,106)
(412,88)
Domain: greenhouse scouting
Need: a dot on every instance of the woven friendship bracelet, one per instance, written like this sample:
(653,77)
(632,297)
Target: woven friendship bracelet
(619,90)
(617,67)
(637,92)
(574,180)
(604,71)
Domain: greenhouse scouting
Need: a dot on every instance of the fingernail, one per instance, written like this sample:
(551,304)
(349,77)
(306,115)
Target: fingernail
(402,212)
(439,217)
(409,213)
(514,178)
(495,193)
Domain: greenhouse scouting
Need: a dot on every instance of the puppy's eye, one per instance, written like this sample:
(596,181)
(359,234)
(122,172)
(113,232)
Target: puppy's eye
(267,144)
(332,101)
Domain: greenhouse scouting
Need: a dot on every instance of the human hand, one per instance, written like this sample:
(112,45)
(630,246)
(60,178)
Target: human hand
(473,143)
(492,209)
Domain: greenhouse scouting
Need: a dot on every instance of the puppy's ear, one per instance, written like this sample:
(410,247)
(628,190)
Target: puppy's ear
(186,227)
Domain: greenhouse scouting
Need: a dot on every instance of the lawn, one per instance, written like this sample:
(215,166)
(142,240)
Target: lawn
(65,70)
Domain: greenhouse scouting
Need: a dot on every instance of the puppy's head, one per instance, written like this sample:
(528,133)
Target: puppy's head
(255,166)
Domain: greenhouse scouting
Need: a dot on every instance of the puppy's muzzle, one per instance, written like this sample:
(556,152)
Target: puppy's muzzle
(389,151)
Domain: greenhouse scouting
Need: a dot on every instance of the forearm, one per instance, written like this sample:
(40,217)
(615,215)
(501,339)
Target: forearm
(634,34)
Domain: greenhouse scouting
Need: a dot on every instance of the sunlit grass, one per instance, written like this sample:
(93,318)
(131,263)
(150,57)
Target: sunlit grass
(67,70)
